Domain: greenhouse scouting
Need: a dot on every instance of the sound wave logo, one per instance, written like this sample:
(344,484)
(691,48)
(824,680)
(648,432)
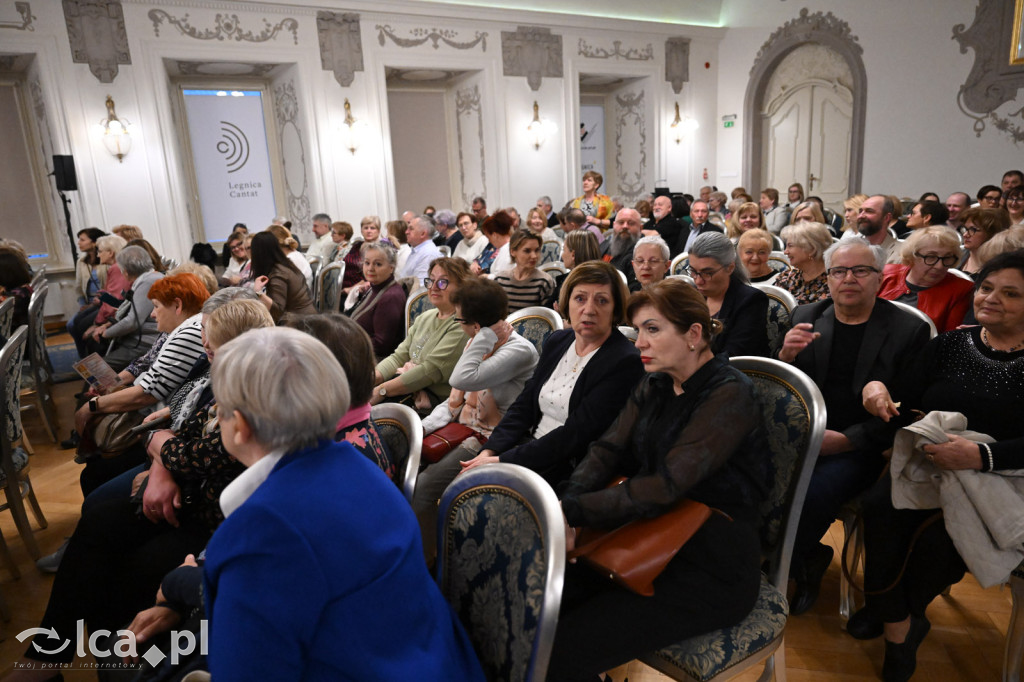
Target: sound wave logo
(234,146)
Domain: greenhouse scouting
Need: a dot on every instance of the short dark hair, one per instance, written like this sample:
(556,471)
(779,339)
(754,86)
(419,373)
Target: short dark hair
(680,303)
(349,343)
(1008,260)
(937,212)
(13,271)
(471,216)
(482,301)
(596,272)
(771,193)
(1014,173)
(985,189)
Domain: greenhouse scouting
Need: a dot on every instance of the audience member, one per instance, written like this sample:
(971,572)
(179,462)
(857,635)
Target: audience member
(87,326)
(16,283)
(775,217)
(579,247)
(523,283)
(546,209)
(495,256)
(323,245)
(238,256)
(378,302)
(596,207)
(924,214)
(989,196)
(447,232)
(90,274)
(666,225)
(281,286)
(423,251)
(473,241)
(806,243)
(1014,200)
(650,262)
(538,224)
(754,249)
(875,216)
(479,209)
(129,232)
(131,332)
(618,248)
(699,225)
(956,203)
(795,194)
(748,216)
(980,225)
(369,231)
(290,248)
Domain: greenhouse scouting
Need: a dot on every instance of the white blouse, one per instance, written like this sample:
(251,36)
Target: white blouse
(554,394)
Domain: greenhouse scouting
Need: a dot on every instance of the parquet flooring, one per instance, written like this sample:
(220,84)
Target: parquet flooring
(965,643)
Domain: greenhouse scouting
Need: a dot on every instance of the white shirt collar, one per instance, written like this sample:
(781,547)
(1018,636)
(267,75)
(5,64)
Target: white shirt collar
(239,490)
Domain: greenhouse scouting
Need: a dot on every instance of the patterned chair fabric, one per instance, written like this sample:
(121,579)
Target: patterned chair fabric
(535,324)
(501,557)
(794,417)
(329,296)
(554,268)
(780,306)
(559,232)
(6,318)
(550,252)
(679,264)
(779,262)
(402,432)
(39,382)
(419,302)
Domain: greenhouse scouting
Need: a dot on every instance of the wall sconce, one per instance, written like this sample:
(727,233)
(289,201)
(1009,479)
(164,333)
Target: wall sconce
(354,131)
(682,126)
(539,128)
(116,138)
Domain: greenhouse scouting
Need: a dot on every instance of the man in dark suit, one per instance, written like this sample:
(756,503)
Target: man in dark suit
(842,344)
(699,224)
(546,210)
(664,224)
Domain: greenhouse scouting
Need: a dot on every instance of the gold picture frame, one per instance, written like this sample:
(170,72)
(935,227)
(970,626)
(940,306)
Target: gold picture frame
(1017,44)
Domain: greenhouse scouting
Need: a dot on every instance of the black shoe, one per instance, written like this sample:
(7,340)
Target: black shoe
(71,442)
(863,626)
(901,659)
(808,582)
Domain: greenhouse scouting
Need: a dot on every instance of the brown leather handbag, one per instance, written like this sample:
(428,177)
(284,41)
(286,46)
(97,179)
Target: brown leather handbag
(450,436)
(634,554)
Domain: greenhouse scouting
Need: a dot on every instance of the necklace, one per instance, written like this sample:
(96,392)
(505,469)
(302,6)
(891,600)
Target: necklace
(1011,349)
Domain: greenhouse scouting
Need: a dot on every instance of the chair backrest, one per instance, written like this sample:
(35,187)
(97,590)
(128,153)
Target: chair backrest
(535,324)
(550,252)
(445,250)
(170,263)
(961,274)
(418,303)
(794,418)
(39,277)
(622,276)
(778,261)
(629,332)
(685,278)
(559,232)
(679,264)
(501,545)
(328,287)
(37,354)
(553,267)
(402,432)
(10,387)
(6,317)
(780,309)
(920,314)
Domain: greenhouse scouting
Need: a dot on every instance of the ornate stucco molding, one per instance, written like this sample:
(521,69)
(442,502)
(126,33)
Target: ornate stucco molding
(532,52)
(808,28)
(286,114)
(434,35)
(630,114)
(97,36)
(467,104)
(677,62)
(25,11)
(635,54)
(225,26)
(341,48)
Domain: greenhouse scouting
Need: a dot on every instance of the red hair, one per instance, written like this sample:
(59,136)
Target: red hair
(185,287)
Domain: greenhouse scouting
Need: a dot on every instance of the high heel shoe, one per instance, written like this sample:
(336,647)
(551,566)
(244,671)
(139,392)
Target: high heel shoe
(901,659)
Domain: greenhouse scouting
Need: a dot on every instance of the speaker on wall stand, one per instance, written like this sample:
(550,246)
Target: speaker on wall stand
(67,181)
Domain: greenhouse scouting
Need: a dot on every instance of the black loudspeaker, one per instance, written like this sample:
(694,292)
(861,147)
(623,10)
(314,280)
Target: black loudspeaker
(64,172)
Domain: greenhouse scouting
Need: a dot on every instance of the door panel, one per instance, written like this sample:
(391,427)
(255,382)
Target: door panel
(786,133)
(830,145)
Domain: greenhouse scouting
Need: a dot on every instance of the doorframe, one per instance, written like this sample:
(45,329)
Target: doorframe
(821,29)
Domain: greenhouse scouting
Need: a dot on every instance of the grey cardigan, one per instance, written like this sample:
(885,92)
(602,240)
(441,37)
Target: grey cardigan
(127,321)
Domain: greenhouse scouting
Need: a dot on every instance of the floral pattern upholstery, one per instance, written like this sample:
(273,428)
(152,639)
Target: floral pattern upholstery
(778,323)
(534,329)
(550,252)
(706,656)
(20,460)
(329,295)
(6,318)
(679,266)
(777,264)
(11,392)
(418,303)
(395,443)
(494,574)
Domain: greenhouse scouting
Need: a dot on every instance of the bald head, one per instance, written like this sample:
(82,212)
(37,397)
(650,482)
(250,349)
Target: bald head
(628,220)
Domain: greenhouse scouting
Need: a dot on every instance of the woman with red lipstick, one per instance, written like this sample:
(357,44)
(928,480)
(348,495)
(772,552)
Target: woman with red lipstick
(672,442)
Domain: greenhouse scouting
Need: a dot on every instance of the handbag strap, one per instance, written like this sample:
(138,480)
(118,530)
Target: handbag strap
(859,522)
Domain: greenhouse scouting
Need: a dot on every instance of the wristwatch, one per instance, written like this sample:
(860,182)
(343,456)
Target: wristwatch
(383,392)
(94,404)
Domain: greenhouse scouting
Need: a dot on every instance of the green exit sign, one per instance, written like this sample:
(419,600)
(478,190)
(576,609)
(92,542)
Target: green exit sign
(727,124)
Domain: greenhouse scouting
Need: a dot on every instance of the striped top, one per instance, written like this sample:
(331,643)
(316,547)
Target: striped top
(181,350)
(528,292)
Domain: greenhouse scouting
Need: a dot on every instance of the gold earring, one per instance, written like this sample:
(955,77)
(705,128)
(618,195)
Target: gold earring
(692,348)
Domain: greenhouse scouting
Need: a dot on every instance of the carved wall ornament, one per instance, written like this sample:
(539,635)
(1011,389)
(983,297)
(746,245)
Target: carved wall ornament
(341,47)
(214,68)
(286,113)
(630,114)
(994,80)
(8,62)
(225,26)
(434,35)
(635,54)
(25,11)
(819,28)
(532,52)
(677,62)
(467,104)
(97,36)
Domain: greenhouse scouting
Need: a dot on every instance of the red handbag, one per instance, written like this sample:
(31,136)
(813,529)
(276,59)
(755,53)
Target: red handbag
(450,436)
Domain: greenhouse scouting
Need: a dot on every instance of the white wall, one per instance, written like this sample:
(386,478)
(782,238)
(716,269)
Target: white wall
(916,138)
(419,139)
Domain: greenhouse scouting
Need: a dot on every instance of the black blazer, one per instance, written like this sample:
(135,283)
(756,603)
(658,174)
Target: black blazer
(891,340)
(600,394)
(744,313)
(671,230)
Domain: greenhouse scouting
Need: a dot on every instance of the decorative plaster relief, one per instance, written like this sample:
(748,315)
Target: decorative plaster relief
(630,144)
(286,113)
(532,52)
(467,106)
(434,35)
(222,68)
(993,80)
(805,63)
(808,28)
(635,54)
(97,36)
(341,47)
(25,24)
(677,62)
(225,26)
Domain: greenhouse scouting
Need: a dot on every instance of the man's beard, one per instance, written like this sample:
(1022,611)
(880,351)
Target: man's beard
(622,243)
(868,229)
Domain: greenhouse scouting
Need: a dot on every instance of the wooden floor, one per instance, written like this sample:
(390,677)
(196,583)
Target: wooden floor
(965,643)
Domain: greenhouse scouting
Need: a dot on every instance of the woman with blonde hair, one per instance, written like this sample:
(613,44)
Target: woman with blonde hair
(806,243)
(924,281)
(369,234)
(748,216)
(851,207)
(538,224)
(290,248)
(807,211)
(754,249)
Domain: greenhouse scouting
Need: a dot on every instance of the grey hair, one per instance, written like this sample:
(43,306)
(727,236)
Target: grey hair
(322,218)
(111,242)
(135,261)
(386,249)
(859,243)
(445,217)
(656,241)
(814,237)
(430,224)
(718,247)
(227,295)
(288,385)
(546,200)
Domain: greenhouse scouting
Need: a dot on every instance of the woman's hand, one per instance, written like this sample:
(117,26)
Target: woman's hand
(956,453)
(162,496)
(159,414)
(878,402)
(259,285)
(475,268)
(156,442)
(485,457)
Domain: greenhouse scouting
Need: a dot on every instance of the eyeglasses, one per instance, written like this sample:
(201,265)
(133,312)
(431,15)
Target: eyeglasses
(238,247)
(859,271)
(704,274)
(992,198)
(970,229)
(948,261)
(461,320)
(442,284)
(640,262)
(1015,200)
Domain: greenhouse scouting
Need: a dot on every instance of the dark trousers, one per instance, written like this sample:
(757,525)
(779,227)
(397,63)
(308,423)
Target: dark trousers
(430,486)
(933,565)
(712,583)
(111,570)
(836,480)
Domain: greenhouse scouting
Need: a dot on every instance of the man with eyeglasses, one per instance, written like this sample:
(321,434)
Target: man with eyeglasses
(618,249)
(842,343)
